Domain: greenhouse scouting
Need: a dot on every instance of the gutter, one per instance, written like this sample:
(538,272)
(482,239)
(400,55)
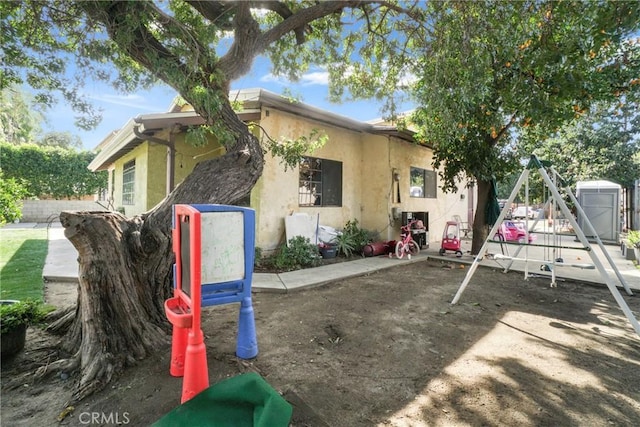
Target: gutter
(171,150)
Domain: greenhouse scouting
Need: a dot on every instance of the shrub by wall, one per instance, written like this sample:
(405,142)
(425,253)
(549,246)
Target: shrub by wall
(53,172)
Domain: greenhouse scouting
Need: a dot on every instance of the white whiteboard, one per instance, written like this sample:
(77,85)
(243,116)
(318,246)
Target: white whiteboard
(222,247)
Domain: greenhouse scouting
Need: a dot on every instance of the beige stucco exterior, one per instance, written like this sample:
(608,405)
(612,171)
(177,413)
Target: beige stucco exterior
(369,161)
(367,189)
(150,170)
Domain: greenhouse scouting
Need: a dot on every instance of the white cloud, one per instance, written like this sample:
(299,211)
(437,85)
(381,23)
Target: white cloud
(270,78)
(315,78)
(131,100)
(308,79)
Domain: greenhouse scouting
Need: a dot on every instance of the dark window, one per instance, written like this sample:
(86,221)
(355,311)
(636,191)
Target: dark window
(320,182)
(128,182)
(423,183)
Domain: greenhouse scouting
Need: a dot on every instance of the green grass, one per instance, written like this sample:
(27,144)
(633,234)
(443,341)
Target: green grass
(22,257)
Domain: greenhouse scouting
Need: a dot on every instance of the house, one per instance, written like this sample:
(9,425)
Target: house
(372,172)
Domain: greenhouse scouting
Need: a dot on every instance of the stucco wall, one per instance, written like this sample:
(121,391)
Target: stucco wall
(403,156)
(276,194)
(367,164)
(368,192)
(151,166)
(188,156)
(49,210)
(156,178)
(375,177)
(140,189)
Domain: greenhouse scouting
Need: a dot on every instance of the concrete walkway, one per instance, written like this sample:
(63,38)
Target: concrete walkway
(62,266)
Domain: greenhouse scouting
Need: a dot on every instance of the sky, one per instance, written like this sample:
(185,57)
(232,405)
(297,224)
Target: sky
(118,108)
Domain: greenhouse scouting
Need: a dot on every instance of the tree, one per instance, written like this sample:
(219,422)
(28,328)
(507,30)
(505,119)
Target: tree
(602,144)
(599,144)
(61,139)
(21,121)
(19,118)
(125,264)
(12,193)
(493,74)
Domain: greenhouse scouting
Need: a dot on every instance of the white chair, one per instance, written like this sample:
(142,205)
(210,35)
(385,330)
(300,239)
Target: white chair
(464,226)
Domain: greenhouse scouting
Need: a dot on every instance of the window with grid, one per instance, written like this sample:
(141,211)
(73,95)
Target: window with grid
(423,183)
(128,182)
(320,182)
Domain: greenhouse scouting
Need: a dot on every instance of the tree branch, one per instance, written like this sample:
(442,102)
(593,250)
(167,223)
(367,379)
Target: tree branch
(285,13)
(250,41)
(303,17)
(217,12)
(137,42)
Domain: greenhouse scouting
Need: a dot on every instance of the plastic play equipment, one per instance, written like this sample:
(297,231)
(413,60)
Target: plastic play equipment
(511,231)
(214,249)
(535,164)
(407,244)
(451,239)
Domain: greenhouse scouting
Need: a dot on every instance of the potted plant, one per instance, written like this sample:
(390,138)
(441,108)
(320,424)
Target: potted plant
(15,317)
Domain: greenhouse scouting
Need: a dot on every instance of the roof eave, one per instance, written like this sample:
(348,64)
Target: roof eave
(113,150)
(253,101)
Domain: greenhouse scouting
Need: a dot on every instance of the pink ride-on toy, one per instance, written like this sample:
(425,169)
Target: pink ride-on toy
(451,239)
(511,231)
(407,244)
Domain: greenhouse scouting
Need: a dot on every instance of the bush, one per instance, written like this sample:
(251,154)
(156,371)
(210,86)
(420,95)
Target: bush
(24,312)
(353,239)
(299,253)
(258,261)
(52,171)
(346,244)
(12,193)
(633,237)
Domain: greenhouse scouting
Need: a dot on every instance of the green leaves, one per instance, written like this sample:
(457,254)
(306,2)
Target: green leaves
(490,75)
(352,239)
(299,252)
(597,145)
(291,151)
(12,193)
(20,313)
(51,171)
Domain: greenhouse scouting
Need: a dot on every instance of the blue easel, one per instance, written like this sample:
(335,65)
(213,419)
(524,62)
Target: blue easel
(214,246)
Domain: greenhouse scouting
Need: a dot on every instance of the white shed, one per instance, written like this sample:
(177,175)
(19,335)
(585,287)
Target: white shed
(600,201)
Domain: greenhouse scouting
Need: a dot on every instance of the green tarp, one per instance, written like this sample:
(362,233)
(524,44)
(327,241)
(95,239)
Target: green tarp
(243,400)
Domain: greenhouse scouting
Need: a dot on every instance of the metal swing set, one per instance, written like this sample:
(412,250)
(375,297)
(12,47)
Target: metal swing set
(554,201)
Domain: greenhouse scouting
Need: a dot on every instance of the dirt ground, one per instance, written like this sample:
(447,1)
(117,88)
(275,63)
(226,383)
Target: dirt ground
(388,349)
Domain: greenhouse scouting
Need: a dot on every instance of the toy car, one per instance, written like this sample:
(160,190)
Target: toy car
(451,239)
(511,231)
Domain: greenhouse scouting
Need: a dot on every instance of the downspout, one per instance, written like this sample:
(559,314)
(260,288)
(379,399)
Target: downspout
(171,151)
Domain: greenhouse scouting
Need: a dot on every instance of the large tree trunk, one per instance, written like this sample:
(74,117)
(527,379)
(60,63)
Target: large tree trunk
(125,267)
(119,317)
(480,228)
